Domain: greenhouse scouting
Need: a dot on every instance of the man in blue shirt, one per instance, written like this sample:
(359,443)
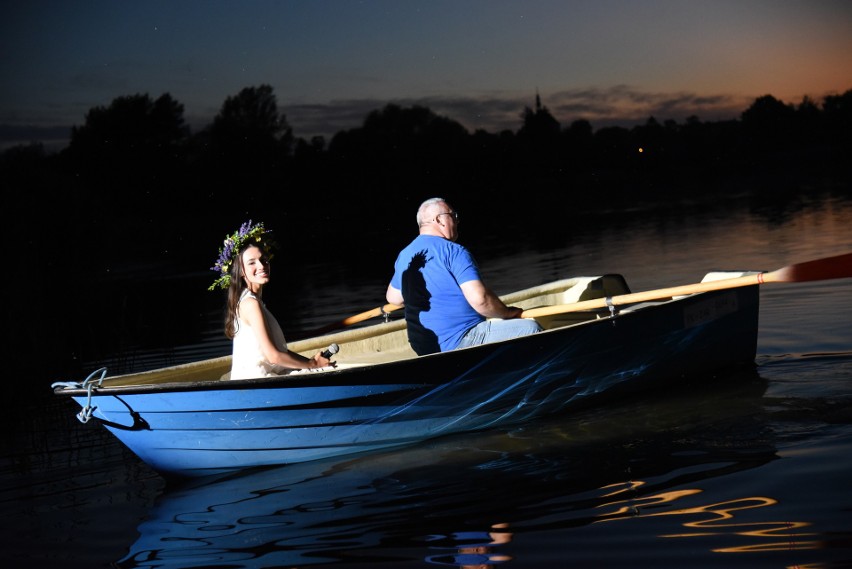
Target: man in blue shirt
(447,306)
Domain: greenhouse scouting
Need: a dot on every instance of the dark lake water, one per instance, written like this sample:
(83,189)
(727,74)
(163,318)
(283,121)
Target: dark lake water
(752,472)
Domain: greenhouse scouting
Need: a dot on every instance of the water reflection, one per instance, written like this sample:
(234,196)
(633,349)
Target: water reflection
(482,499)
(722,518)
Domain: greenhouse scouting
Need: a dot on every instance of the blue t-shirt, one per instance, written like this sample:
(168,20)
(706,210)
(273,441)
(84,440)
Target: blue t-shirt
(429,272)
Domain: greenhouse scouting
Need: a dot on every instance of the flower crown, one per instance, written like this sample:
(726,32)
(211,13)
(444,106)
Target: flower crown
(233,243)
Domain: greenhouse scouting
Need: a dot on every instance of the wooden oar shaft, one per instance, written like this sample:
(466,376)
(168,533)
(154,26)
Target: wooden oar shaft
(368,314)
(836,267)
(354,319)
(634,297)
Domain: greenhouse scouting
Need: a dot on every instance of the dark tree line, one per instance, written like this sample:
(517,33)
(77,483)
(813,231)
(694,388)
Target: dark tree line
(135,161)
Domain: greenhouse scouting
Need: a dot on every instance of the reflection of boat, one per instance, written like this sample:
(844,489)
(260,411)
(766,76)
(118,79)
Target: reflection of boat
(474,499)
(183,420)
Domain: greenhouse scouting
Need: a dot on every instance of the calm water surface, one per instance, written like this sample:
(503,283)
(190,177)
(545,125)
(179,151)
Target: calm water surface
(753,472)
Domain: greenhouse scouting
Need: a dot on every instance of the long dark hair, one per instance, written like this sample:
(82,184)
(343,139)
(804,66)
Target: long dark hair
(237,286)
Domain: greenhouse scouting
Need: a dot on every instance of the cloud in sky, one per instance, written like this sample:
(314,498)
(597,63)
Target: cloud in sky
(479,62)
(619,105)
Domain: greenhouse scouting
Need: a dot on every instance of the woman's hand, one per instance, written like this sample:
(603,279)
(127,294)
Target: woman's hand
(321,361)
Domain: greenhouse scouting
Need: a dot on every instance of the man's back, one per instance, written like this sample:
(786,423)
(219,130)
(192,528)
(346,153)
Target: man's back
(447,305)
(430,270)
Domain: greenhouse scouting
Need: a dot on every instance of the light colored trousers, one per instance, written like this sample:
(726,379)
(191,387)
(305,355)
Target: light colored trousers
(496,330)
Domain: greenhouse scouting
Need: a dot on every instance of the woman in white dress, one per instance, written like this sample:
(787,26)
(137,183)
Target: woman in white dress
(260,348)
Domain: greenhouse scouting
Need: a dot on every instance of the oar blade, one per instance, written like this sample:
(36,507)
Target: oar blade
(837,267)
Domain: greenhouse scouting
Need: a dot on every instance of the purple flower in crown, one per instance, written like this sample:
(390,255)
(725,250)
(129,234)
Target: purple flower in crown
(232,244)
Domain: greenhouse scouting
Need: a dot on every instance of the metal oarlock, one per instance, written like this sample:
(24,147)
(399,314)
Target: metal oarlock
(613,311)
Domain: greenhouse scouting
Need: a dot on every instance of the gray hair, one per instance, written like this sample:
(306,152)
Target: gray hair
(425,206)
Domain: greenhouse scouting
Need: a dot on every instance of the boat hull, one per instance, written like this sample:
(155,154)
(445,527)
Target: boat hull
(213,427)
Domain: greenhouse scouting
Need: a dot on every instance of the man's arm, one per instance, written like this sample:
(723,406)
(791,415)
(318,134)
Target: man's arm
(485,302)
(394,296)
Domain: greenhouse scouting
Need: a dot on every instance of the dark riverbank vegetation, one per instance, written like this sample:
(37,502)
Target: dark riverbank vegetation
(137,159)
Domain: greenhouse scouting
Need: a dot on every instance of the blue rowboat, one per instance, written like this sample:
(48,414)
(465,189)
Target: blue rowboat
(599,340)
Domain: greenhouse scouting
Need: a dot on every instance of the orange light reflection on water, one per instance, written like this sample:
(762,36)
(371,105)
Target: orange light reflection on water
(715,519)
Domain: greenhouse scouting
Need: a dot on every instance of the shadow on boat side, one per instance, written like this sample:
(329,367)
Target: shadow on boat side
(462,499)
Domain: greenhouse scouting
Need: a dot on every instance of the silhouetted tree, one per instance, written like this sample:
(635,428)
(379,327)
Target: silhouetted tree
(250,129)
(769,124)
(131,130)
(708,149)
(309,157)
(247,147)
(539,123)
(613,147)
(128,155)
(538,137)
(576,147)
(837,121)
(402,145)
(809,119)
(395,132)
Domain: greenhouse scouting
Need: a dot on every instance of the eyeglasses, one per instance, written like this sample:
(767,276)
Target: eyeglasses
(453,214)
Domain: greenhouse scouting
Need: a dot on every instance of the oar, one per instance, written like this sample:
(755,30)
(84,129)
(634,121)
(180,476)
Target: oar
(348,321)
(836,267)
(378,311)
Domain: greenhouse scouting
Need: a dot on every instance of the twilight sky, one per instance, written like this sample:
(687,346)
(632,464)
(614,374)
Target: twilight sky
(480,62)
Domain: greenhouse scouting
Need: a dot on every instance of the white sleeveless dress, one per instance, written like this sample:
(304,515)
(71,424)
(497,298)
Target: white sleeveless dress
(248,361)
